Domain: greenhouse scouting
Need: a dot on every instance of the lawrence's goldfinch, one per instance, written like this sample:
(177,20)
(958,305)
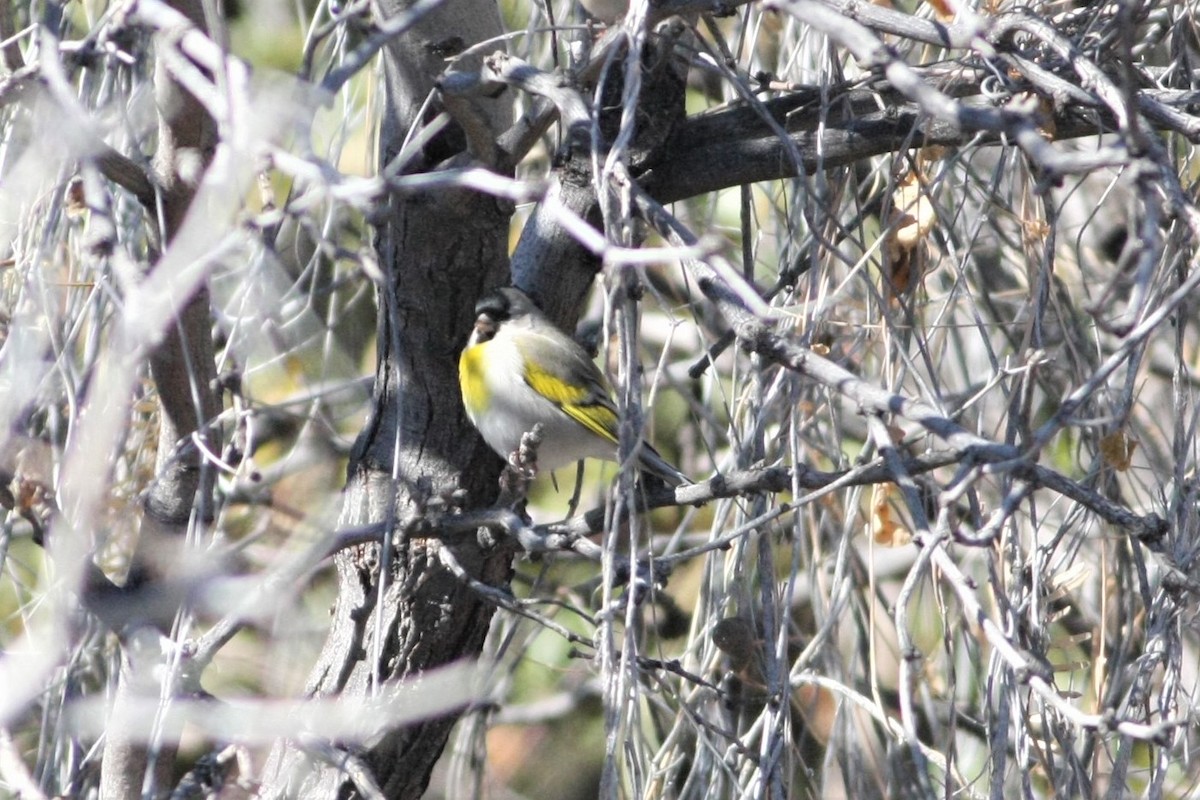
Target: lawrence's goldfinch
(519,369)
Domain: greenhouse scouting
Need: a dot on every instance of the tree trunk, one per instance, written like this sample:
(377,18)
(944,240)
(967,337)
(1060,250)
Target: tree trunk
(440,252)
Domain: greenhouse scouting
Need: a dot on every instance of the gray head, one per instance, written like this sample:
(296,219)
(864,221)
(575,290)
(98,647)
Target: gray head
(502,305)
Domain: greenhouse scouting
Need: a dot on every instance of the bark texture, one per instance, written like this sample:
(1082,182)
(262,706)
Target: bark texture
(440,253)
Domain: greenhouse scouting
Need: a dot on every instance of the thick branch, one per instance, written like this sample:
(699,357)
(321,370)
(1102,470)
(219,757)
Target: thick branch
(402,611)
(184,371)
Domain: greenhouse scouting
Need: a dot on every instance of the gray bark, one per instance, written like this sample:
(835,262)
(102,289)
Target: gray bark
(440,253)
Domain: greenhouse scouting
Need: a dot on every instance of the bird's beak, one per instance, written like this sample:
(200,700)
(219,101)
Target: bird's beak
(485,329)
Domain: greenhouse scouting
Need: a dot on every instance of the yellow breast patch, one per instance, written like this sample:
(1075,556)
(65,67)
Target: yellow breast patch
(471,378)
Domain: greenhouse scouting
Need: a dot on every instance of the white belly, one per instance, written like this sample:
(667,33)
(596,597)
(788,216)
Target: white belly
(515,408)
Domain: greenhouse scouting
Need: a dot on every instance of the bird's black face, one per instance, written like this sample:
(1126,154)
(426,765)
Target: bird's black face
(490,311)
(497,307)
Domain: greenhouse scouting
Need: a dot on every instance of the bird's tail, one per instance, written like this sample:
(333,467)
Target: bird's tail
(655,464)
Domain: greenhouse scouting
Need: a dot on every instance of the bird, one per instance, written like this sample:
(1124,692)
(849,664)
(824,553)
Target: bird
(519,369)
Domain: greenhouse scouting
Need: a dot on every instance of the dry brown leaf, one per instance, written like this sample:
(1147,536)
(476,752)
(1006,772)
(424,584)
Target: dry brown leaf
(911,219)
(1045,118)
(1117,450)
(818,707)
(912,212)
(737,638)
(76,199)
(944,10)
(932,153)
(887,528)
(901,277)
(1035,231)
